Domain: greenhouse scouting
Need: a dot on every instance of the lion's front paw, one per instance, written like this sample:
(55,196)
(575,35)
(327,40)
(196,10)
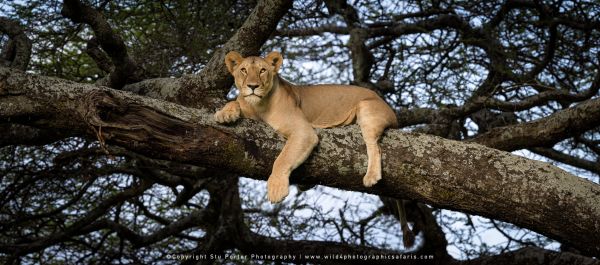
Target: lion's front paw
(371,179)
(227,115)
(277,188)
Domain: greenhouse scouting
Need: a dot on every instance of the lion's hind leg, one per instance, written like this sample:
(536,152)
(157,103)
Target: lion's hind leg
(373,116)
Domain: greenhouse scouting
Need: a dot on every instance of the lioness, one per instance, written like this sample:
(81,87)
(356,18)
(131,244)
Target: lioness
(295,110)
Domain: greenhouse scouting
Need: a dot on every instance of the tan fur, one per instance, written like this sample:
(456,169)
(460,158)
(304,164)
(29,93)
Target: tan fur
(295,110)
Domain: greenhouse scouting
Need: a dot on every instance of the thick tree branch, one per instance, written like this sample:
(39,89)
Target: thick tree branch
(446,174)
(593,145)
(545,131)
(17,52)
(126,71)
(362,58)
(592,166)
(209,88)
(247,40)
(435,238)
(481,104)
(424,221)
(100,57)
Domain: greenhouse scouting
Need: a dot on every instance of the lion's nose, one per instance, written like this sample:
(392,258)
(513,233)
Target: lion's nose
(252,87)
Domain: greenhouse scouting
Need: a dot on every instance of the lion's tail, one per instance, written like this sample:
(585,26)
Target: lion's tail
(408,237)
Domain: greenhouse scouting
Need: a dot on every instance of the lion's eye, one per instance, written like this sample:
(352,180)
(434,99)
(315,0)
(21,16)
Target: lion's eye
(263,70)
(243,70)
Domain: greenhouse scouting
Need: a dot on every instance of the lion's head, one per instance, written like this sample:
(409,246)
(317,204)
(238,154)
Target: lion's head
(253,75)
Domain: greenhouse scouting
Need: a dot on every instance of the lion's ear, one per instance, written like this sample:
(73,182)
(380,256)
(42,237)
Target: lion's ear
(275,59)
(232,59)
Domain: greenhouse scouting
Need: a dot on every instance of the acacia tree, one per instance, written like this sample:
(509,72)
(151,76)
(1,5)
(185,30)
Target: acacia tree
(110,154)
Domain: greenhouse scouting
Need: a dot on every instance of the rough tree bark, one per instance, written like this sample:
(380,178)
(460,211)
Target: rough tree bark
(454,175)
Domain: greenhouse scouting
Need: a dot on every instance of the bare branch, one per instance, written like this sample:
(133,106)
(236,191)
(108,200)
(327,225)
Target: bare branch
(435,238)
(362,58)
(302,32)
(545,131)
(592,166)
(37,244)
(126,71)
(447,174)
(102,60)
